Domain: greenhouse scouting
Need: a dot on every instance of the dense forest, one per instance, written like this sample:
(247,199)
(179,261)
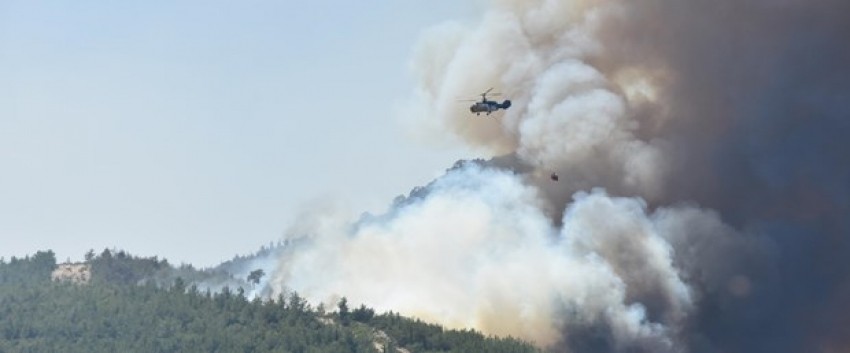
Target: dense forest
(120,309)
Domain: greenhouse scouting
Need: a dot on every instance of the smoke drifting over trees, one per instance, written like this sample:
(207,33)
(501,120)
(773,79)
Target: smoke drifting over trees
(704,182)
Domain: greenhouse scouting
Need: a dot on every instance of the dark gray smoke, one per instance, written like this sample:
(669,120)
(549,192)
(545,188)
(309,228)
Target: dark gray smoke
(704,188)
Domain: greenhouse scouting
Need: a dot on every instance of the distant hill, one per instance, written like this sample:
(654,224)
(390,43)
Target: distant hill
(129,305)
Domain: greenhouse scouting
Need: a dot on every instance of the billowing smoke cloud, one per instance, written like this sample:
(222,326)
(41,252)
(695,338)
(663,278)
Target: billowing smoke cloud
(704,182)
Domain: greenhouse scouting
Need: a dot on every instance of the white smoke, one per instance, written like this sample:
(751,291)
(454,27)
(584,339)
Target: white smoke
(479,252)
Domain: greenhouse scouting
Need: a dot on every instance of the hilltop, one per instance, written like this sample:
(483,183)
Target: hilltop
(129,305)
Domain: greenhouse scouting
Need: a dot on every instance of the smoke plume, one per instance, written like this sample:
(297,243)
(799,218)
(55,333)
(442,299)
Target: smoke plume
(704,182)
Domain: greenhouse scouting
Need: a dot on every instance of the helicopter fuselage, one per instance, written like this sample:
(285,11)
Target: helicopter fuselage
(484,107)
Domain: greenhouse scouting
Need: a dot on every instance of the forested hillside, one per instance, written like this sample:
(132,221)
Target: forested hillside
(121,311)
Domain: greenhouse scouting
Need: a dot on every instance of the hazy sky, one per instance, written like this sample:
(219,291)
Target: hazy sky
(196,130)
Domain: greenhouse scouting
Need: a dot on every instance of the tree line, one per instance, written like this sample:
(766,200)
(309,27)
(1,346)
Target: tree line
(119,311)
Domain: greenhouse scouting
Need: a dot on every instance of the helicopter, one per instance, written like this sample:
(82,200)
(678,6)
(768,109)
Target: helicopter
(487,106)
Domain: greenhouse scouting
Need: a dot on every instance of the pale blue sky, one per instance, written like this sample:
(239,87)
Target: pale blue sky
(196,130)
